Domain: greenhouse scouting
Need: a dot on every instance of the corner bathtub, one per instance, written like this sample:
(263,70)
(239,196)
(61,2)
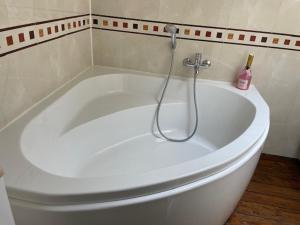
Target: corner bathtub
(91,155)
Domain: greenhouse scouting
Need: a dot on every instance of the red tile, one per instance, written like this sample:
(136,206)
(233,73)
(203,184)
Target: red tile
(252,38)
(155,28)
(208,34)
(287,42)
(297,43)
(242,37)
(49,30)
(197,32)
(115,23)
(125,25)
(21,37)
(9,40)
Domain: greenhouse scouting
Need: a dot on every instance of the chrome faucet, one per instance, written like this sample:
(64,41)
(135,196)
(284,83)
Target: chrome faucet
(197,63)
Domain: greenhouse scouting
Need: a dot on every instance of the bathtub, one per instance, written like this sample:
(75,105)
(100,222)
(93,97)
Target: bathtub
(90,154)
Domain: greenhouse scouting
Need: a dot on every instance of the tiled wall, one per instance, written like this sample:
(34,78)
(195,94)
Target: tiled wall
(130,34)
(42,45)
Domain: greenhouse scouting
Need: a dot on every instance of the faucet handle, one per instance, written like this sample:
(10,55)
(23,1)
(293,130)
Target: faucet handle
(206,63)
(188,62)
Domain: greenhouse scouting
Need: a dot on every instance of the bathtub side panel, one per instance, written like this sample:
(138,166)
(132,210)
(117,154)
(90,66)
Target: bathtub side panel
(209,204)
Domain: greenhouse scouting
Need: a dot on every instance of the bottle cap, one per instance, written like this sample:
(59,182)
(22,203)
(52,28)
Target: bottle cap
(250,60)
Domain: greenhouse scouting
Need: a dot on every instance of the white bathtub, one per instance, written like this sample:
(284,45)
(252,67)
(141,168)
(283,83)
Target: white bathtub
(90,155)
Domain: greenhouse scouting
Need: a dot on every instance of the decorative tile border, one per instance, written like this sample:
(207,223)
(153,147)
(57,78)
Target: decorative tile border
(199,33)
(16,38)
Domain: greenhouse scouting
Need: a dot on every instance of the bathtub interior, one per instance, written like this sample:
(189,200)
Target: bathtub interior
(104,126)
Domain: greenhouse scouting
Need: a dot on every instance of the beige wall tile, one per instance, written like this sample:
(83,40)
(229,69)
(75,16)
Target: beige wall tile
(16,12)
(29,75)
(254,14)
(288,17)
(200,12)
(129,8)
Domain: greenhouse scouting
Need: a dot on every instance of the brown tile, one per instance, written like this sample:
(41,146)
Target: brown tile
(115,24)
(9,40)
(79,23)
(187,31)
(125,25)
(230,36)
(21,37)
(275,41)
(41,32)
(63,27)
(145,27)
(208,34)
(287,42)
(56,29)
(297,43)
(74,24)
(31,35)
(69,26)
(252,38)
(105,23)
(49,31)
(83,22)
(197,33)
(88,21)
(241,37)
(155,28)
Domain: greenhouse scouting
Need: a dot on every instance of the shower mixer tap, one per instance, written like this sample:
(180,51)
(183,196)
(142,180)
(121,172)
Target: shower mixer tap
(197,63)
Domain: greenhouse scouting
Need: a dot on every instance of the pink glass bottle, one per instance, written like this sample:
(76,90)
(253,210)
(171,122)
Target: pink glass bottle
(245,75)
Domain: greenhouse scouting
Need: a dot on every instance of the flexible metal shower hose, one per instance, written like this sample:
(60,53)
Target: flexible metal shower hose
(162,98)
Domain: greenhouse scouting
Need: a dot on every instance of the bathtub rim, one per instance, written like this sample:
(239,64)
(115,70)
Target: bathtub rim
(38,193)
(92,205)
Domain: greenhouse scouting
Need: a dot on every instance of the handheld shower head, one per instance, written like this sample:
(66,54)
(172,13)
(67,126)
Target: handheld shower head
(172,30)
